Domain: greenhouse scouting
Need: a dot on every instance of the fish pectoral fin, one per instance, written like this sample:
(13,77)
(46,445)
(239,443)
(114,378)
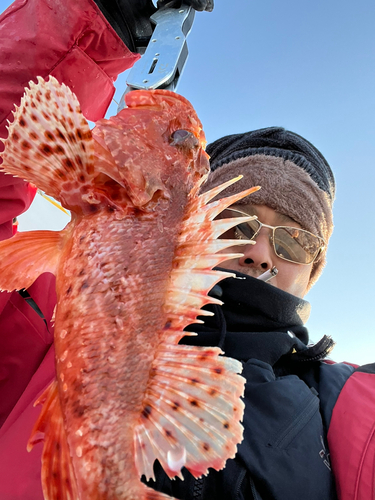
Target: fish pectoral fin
(192,407)
(58,480)
(192,411)
(27,255)
(50,143)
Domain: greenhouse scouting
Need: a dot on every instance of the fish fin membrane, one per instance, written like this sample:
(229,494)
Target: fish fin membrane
(192,408)
(58,480)
(150,494)
(196,255)
(27,255)
(192,412)
(50,143)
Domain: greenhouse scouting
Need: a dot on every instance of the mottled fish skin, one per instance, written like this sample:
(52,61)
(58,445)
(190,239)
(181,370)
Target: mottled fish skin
(133,269)
(110,322)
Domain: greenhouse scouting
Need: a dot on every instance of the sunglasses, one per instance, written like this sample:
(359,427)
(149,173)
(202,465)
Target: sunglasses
(289,243)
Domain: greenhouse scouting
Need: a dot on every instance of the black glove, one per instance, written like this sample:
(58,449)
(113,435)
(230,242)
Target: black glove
(200,5)
(131,18)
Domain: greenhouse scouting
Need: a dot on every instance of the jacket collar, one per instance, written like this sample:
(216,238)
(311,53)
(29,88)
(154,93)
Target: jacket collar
(257,320)
(260,306)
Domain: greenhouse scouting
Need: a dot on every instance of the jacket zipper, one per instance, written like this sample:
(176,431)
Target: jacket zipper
(198,488)
(329,345)
(319,356)
(253,491)
(297,425)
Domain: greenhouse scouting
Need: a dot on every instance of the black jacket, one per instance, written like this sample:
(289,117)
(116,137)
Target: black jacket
(289,397)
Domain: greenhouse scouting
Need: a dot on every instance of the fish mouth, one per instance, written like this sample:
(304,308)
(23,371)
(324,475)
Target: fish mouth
(202,162)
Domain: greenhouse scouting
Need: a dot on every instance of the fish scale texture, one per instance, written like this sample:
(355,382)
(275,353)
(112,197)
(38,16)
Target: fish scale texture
(109,332)
(133,269)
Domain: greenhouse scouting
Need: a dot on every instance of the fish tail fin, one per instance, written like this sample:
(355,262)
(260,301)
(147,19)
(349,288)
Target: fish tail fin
(58,479)
(27,255)
(192,408)
(50,142)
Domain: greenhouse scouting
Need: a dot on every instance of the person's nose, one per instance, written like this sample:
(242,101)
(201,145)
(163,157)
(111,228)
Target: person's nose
(259,256)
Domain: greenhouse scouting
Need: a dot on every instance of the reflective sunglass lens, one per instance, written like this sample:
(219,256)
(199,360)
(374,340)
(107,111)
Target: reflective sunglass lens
(296,245)
(290,243)
(248,229)
(245,231)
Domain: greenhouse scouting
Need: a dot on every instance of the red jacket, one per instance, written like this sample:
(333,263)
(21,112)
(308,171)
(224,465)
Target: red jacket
(71,40)
(351,436)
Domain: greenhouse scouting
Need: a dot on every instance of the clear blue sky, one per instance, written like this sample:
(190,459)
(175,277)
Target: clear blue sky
(309,67)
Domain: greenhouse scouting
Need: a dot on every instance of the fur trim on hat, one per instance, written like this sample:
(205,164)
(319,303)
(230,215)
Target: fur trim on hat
(286,188)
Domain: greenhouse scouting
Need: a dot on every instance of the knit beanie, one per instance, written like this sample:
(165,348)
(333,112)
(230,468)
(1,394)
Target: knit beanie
(295,178)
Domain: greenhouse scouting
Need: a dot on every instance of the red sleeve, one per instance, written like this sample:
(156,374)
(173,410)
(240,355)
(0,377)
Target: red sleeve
(68,39)
(20,470)
(71,40)
(351,437)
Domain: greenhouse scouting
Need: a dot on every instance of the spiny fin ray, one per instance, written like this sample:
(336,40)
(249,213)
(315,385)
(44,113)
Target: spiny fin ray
(50,142)
(193,404)
(212,228)
(58,480)
(27,255)
(200,211)
(192,407)
(207,247)
(204,198)
(207,261)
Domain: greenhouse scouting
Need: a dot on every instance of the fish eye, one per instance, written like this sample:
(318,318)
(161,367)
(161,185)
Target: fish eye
(184,138)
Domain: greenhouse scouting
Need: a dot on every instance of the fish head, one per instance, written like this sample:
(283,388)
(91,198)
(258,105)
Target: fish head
(132,160)
(155,143)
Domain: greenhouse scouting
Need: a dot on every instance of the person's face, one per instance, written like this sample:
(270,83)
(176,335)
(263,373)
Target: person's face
(291,277)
